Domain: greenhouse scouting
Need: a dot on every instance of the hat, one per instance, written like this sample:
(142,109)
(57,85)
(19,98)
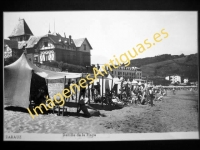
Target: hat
(150,86)
(84,100)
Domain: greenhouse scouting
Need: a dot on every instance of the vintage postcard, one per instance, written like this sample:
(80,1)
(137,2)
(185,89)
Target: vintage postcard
(100,75)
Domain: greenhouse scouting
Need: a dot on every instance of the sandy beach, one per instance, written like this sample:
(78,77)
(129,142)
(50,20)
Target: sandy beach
(175,113)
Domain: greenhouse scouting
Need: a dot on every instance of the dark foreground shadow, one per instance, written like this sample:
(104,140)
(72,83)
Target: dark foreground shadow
(83,115)
(105,107)
(16,108)
(74,114)
(97,106)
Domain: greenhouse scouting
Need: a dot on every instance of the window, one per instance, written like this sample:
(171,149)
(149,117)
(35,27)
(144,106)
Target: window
(84,46)
(46,57)
(35,59)
(45,44)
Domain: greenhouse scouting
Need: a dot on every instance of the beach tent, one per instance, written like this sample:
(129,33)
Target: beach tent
(134,82)
(116,80)
(128,81)
(118,83)
(121,79)
(109,82)
(105,83)
(18,77)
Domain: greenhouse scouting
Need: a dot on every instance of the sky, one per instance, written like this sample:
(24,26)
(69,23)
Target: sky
(115,32)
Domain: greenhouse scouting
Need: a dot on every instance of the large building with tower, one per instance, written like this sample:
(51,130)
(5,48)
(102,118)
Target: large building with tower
(51,46)
(54,47)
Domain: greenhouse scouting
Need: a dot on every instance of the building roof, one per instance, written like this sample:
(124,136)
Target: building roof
(21,44)
(79,42)
(11,44)
(32,41)
(55,38)
(21,29)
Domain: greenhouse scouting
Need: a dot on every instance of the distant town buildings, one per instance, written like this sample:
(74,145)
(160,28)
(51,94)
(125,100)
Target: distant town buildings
(127,72)
(174,79)
(177,79)
(185,80)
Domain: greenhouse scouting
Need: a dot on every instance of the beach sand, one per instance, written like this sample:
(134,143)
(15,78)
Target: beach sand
(175,113)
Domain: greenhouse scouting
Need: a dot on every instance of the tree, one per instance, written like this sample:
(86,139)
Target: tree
(182,55)
(176,83)
(10,60)
(60,65)
(160,81)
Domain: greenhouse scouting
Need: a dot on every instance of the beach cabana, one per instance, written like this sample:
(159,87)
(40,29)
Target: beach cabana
(105,82)
(22,77)
(134,82)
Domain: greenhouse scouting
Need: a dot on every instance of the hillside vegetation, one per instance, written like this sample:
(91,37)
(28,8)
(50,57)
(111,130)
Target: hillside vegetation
(166,64)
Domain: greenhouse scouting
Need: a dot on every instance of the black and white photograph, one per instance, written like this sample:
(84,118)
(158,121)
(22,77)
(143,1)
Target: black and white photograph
(100,75)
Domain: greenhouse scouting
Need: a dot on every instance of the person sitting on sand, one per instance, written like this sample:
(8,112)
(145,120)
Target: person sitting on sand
(116,100)
(86,108)
(137,93)
(108,97)
(164,92)
(159,95)
(134,96)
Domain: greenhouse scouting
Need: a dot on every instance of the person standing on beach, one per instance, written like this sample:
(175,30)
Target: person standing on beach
(69,93)
(82,94)
(98,87)
(73,90)
(92,91)
(151,95)
(174,91)
(82,91)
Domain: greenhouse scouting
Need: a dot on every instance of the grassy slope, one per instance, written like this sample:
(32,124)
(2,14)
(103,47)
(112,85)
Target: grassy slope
(186,66)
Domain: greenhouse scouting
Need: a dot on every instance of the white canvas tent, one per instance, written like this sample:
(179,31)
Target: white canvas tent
(107,83)
(134,82)
(18,77)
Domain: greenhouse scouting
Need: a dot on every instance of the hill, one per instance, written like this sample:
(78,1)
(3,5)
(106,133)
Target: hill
(166,64)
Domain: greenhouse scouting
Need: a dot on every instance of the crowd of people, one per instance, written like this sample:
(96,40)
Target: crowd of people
(138,94)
